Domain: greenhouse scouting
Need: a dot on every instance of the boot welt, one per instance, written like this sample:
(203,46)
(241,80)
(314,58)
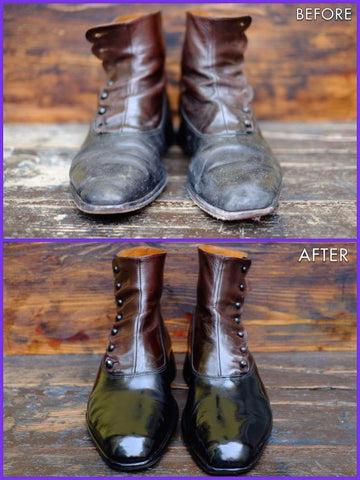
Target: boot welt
(151,460)
(121,208)
(224,215)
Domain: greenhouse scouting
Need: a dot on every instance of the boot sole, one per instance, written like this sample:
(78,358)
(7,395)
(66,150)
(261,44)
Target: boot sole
(114,209)
(198,460)
(224,215)
(131,467)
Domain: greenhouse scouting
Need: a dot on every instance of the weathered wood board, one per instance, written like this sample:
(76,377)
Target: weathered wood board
(318,198)
(313,400)
(58,297)
(300,70)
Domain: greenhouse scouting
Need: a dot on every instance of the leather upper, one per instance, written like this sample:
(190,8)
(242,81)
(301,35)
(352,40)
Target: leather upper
(141,343)
(215,343)
(214,89)
(133,54)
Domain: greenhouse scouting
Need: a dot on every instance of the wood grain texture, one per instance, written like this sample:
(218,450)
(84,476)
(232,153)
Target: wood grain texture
(313,401)
(318,198)
(58,297)
(300,70)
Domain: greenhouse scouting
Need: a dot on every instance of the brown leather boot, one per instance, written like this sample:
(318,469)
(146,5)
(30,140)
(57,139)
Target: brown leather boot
(131,412)
(227,419)
(233,174)
(119,167)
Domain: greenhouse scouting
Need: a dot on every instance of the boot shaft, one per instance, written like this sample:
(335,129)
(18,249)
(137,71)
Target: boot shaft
(138,341)
(218,340)
(214,90)
(132,50)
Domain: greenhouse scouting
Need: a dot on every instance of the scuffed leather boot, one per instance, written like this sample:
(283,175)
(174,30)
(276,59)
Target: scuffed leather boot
(233,174)
(131,412)
(227,419)
(119,167)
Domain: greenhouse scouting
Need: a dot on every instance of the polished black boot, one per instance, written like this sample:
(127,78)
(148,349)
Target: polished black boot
(131,412)
(119,167)
(233,174)
(227,419)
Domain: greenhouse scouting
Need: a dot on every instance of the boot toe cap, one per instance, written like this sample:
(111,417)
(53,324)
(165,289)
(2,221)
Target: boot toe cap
(243,197)
(234,180)
(106,192)
(115,181)
(251,196)
(232,455)
(128,450)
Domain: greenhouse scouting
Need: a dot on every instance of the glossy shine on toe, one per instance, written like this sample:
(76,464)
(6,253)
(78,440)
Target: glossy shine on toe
(129,449)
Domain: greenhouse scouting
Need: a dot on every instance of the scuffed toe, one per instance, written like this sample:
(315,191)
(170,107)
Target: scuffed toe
(102,192)
(246,197)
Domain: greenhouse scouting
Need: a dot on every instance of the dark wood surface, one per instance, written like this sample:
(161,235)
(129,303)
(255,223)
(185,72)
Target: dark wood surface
(58,297)
(318,198)
(313,397)
(300,70)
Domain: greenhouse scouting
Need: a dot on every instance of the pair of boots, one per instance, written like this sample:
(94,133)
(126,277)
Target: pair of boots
(132,415)
(233,174)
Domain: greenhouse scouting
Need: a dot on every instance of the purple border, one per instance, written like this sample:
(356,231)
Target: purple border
(357,233)
(310,2)
(179,240)
(2,244)
(193,240)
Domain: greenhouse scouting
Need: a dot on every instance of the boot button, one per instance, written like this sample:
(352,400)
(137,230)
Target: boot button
(237,320)
(244,268)
(247,123)
(102,110)
(110,82)
(111,347)
(118,286)
(237,304)
(109,363)
(243,349)
(119,302)
(119,317)
(240,334)
(104,95)
(114,331)
(116,269)
(242,287)
(243,363)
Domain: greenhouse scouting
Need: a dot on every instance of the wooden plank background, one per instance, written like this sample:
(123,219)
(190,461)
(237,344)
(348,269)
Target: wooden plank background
(313,398)
(301,70)
(318,198)
(59,297)
(59,307)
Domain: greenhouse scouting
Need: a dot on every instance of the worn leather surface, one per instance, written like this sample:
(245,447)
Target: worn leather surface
(132,51)
(131,412)
(119,163)
(232,167)
(227,418)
